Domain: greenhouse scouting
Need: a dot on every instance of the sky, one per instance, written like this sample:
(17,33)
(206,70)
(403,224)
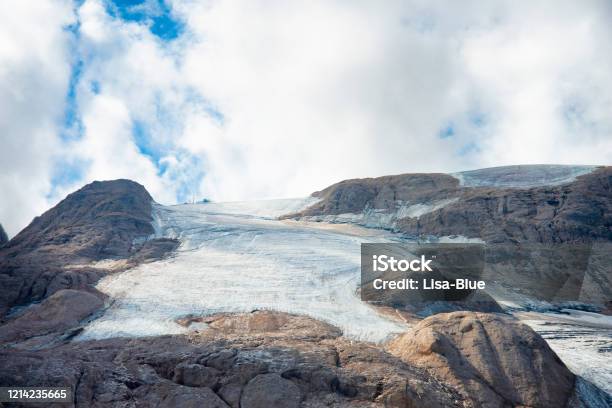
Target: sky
(239,100)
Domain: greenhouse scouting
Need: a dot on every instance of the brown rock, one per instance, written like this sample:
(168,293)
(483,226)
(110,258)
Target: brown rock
(492,359)
(353,196)
(103,220)
(59,312)
(270,391)
(579,211)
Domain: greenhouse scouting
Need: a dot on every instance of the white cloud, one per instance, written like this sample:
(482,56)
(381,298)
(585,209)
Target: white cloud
(283,98)
(34,73)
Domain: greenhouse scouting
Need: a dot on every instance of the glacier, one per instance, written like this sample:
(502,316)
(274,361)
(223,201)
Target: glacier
(238,257)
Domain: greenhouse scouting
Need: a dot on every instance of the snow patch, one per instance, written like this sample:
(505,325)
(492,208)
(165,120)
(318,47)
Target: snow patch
(523,176)
(382,218)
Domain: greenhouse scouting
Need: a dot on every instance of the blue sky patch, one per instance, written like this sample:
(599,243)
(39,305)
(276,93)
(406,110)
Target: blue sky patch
(447,131)
(66,172)
(478,118)
(154,13)
(146,146)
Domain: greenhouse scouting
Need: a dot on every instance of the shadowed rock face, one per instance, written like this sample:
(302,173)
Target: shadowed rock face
(59,312)
(98,221)
(3,236)
(103,220)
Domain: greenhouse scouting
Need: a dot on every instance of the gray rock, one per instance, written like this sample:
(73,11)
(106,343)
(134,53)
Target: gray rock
(196,375)
(270,391)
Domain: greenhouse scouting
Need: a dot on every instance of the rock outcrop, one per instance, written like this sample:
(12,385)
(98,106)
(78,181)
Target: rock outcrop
(107,220)
(62,311)
(272,359)
(492,359)
(550,242)
(580,211)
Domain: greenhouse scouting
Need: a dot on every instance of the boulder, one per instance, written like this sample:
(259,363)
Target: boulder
(490,358)
(270,391)
(196,375)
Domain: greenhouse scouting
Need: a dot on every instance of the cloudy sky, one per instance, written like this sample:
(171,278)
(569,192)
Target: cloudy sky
(239,100)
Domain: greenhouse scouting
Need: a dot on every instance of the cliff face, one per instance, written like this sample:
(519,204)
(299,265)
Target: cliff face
(103,220)
(580,211)
(438,204)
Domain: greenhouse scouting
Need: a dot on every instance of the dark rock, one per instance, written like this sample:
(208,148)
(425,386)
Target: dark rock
(196,375)
(61,311)
(353,196)
(3,236)
(578,211)
(270,391)
(230,393)
(171,396)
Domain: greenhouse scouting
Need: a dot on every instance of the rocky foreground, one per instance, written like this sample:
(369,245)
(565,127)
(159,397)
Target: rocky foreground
(267,359)
(258,359)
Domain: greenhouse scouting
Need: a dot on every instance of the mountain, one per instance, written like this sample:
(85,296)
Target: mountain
(499,205)
(528,216)
(253,358)
(109,220)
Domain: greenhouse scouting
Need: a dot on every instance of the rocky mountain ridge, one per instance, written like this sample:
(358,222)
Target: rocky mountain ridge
(108,220)
(524,222)
(258,359)
(576,211)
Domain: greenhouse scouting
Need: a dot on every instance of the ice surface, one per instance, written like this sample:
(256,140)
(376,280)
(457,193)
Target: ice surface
(522,176)
(237,258)
(582,340)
